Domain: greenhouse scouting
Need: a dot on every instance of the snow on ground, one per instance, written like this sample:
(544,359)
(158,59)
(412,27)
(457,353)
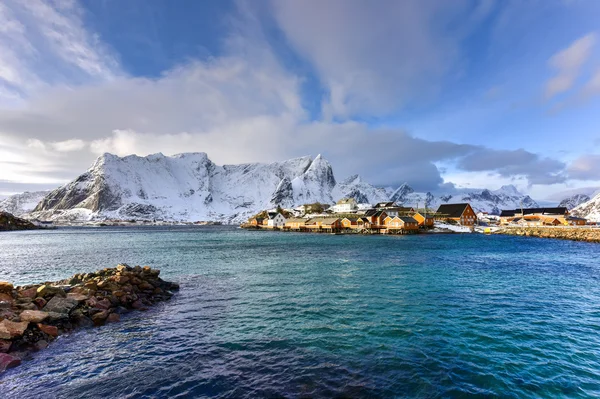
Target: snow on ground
(443,227)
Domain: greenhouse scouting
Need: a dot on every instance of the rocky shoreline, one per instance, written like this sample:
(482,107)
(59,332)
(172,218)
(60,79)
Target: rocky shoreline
(9,222)
(563,233)
(32,316)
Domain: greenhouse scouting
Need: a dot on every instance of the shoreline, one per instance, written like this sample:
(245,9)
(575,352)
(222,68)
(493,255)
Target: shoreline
(584,234)
(32,316)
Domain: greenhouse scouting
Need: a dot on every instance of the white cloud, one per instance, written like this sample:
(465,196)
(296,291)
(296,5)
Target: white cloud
(46,43)
(568,63)
(374,56)
(68,145)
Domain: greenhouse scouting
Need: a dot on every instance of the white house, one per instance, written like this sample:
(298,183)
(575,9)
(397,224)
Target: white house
(276,219)
(345,205)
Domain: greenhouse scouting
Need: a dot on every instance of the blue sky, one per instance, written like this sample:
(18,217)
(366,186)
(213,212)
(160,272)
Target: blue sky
(439,94)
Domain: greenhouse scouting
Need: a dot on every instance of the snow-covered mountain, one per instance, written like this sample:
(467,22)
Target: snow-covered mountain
(20,204)
(191,187)
(589,210)
(574,201)
(506,197)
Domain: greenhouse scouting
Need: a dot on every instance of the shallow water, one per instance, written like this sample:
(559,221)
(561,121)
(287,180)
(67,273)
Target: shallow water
(265,314)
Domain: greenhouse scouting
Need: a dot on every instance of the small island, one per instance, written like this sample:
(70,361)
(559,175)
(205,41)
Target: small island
(32,316)
(9,222)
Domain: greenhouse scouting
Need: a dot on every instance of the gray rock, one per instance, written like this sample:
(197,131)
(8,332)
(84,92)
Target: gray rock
(61,305)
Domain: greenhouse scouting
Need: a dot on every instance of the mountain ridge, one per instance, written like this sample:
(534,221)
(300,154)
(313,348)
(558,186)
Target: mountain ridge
(190,187)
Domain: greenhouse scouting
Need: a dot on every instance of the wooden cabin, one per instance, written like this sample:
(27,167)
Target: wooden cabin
(363,223)
(349,223)
(401,222)
(375,217)
(295,224)
(257,221)
(424,220)
(576,221)
(324,224)
(459,213)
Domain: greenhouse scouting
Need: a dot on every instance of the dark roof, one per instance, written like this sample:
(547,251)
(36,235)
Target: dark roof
(384,204)
(452,210)
(575,218)
(407,219)
(259,219)
(400,208)
(425,216)
(371,212)
(530,211)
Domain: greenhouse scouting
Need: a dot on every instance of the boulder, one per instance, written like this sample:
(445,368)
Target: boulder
(113,318)
(34,316)
(11,329)
(61,305)
(100,317)
(40,302)
(50,330)
(48,290)
(77,297)
(4,345)
(41,344)
(5,286)
(55,317)
(8,361)
(6,297)
(104,303)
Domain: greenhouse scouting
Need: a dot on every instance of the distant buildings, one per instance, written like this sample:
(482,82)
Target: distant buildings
(462,214)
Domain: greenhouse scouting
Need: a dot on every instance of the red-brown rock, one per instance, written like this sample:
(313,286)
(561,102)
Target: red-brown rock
(29,293)
(10,329)
(113,318)
(5,286)
(34,316)
(8,361)
(50,330)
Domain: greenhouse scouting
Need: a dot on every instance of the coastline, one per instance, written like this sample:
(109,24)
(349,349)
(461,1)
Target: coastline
(586,234)
(32,316)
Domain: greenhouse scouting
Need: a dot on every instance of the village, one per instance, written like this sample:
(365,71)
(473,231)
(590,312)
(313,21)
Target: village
(348,216)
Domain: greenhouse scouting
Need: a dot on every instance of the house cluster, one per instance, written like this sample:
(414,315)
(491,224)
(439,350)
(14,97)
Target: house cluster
(534,217)
(348,216)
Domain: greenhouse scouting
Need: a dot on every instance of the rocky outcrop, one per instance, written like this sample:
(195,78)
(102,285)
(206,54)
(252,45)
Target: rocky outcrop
(564,233)
(33,316)
(9,222)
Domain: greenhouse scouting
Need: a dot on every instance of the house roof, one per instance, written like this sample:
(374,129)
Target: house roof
(400,209)
(576,218)
(452,210)
(531,211)
(272,215)
(295,220)
(384,204)
(370,212)
(407,219)
(424,216)
(258,219)
(346,201)
(327,220)
(351,219)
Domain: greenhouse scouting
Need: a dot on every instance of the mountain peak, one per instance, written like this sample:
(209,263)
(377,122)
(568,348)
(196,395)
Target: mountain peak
(508,189)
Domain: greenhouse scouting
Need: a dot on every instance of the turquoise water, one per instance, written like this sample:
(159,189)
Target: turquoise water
(265,314)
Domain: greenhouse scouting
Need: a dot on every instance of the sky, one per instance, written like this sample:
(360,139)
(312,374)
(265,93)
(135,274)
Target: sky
(441,94)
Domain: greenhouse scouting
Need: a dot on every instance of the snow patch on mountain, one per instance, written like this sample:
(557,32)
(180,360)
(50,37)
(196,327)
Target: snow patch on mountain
(574,200)
(589,210)
(20,204)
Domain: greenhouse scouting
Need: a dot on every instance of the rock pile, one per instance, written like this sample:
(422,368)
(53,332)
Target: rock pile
(32,316)
(564,233)
(9,222)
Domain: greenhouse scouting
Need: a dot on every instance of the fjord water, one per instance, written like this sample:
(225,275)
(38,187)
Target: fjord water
(263,314)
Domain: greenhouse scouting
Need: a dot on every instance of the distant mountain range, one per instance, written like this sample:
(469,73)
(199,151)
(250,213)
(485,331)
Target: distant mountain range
(190,187)
(589,209)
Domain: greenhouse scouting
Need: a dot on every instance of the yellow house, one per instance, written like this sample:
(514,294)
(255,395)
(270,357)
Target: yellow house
(425,221)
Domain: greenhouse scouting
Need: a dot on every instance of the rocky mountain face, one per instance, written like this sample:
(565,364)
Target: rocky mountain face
(507,197)
(190,187)
(20,204)
(589,209)
(574,201)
